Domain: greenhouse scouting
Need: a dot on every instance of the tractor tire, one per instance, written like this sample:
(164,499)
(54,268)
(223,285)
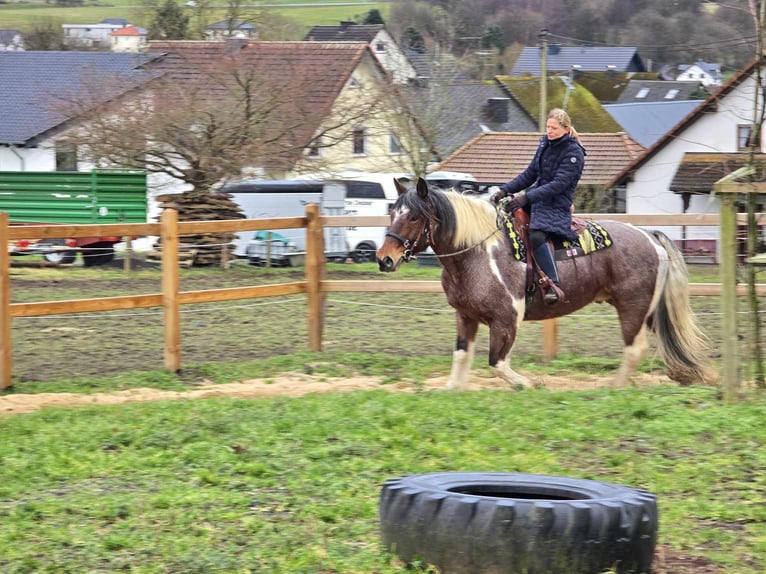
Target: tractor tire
(511,523)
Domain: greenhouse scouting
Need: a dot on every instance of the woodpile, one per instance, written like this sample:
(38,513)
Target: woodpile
(201,250)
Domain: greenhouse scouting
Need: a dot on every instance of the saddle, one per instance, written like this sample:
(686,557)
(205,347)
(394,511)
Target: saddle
(591,237)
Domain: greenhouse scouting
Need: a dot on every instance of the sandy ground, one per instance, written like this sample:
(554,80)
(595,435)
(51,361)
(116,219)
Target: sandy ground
(291,385)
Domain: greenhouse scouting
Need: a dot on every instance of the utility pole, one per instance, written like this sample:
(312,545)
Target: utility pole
(543,36)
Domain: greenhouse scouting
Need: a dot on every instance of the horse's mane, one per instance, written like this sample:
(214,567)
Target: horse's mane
(465,221)
(476,220)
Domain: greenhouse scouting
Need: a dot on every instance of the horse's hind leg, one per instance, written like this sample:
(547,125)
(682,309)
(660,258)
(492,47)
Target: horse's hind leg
(462,356)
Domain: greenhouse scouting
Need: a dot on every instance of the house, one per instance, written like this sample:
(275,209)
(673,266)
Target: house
(31,87)
(641,91)
(582,58)
(230,28)
(608,86)
(702,72)
(454,113)
(659,181)
(129,39)
(343,107)
(495,158)
(647,122)
(382,43)
(78,36)
(10,40)
(647,109)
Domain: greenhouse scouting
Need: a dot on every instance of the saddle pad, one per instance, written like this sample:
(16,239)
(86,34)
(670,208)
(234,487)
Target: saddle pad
(590,237)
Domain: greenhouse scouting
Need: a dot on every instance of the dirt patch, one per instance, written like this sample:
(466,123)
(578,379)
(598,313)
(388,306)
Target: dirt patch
(291,385)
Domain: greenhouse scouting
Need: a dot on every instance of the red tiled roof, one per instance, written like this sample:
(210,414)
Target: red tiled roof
(496,157)
(299,80)
(129,31)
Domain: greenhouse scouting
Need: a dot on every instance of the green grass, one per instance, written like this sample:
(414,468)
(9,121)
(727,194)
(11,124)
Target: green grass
(24,16)
(291,485)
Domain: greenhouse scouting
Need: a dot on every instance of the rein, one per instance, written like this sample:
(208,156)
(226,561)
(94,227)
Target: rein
(410,244)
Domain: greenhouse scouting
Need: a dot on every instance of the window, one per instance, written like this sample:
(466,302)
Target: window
(743,137)
(642,93)
(380,47)
(360,143)
(364,190)
(315,149)
(354,83)
(671,95)
(66,157)
(394,147)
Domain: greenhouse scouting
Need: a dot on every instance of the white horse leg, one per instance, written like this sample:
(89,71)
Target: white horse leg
(632,355)
(504,371)
(462,359)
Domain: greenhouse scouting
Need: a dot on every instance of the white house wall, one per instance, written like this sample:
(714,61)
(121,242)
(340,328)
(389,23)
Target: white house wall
(649,190)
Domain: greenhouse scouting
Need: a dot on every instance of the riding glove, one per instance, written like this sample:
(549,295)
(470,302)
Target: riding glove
(518,201)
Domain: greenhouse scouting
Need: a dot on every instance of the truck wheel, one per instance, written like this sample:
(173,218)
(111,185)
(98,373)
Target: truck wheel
(61,257)
(97,256)
(364,253)
(507,523)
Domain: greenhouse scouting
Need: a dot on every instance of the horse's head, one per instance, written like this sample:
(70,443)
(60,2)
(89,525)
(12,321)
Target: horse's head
(410,230)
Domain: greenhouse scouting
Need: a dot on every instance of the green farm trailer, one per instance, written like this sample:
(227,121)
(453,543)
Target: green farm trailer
(75,198)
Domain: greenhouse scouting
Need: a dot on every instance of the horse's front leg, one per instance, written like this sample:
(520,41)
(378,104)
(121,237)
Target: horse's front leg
(462,356)
(501,339)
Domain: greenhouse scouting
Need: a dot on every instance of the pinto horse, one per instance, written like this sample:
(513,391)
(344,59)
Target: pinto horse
(642,274)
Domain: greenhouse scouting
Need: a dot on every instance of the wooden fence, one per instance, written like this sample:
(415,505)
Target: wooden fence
(315,286)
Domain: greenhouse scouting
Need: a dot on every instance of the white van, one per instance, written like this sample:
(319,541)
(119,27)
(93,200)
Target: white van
(261,199)
(366,194)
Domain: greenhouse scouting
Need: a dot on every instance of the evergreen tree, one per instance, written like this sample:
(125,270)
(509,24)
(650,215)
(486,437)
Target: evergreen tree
(373,17)
(170,23)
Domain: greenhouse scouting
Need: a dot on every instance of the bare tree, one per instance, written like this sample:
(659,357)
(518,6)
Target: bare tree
(208,116)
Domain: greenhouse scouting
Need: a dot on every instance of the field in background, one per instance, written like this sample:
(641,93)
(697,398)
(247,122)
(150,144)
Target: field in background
(15,15)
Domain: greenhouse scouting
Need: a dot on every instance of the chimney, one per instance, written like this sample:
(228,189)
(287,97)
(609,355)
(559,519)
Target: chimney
(497,109)
(234,46)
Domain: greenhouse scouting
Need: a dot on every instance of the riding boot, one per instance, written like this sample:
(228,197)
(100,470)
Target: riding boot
(547,263)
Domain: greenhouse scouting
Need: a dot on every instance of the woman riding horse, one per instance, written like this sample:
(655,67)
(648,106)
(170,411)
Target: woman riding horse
(553,174)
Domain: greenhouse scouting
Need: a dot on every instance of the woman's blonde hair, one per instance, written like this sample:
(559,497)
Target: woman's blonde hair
(566,122)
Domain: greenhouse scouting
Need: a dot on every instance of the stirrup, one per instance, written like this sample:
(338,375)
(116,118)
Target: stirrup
(550,297)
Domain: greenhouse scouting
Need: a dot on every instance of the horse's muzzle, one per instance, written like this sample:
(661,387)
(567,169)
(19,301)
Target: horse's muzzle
(387,264)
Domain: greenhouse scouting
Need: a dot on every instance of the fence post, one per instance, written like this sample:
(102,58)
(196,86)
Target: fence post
(170,287)
(315,269)
(728,271)
(5,305)
(550,339)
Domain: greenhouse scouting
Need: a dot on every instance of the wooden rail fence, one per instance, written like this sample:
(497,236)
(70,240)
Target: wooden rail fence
(315,286)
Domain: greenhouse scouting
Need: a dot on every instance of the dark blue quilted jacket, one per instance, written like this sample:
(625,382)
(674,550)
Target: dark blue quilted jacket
(550,181)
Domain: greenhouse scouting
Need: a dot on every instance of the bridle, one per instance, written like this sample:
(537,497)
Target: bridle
(410,244)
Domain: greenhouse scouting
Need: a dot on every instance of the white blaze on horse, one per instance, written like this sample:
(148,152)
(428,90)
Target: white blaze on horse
(642,274)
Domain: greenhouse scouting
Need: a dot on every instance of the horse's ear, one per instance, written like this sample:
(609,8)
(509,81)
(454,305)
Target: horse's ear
(399,187)
(422,188)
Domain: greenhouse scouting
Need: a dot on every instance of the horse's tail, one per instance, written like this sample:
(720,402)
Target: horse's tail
(680,342)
